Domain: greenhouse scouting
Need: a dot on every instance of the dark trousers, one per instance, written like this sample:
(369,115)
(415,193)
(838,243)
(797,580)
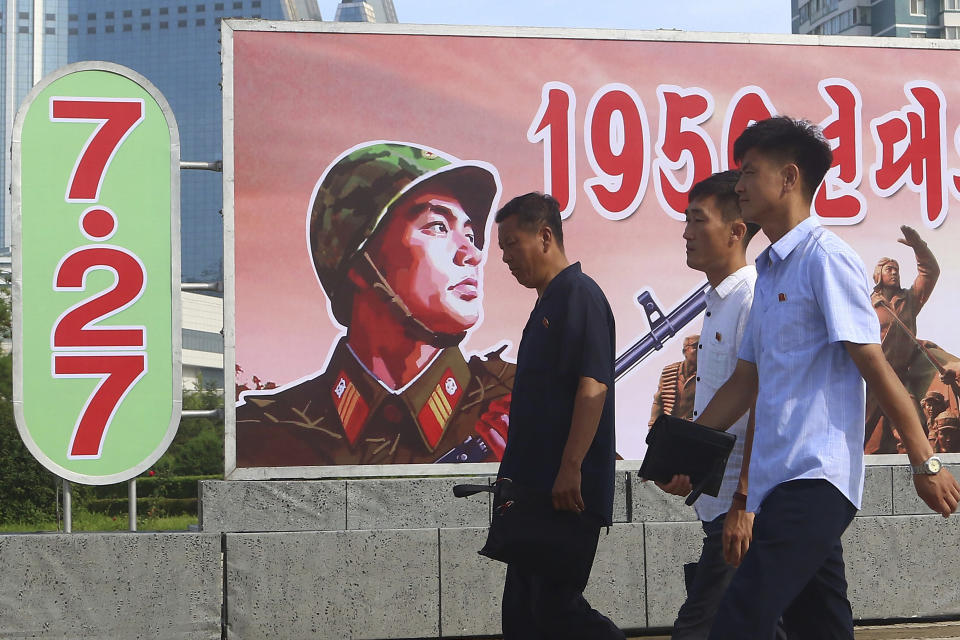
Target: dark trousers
(710,576)
(794,569)
(540,608)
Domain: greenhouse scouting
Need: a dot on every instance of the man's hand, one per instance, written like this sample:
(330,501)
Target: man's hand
(910,237)
(940,491)
(566,489)
(737,534)
(678,486)
(951,373)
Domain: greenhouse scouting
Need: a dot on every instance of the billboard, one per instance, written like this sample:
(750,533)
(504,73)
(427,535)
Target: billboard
(96,273)
(359,342)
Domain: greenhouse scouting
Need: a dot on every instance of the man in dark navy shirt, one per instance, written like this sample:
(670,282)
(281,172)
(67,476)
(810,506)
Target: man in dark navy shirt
(561,437)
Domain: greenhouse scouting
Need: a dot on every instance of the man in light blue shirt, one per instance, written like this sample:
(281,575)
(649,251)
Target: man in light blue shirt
(811,340)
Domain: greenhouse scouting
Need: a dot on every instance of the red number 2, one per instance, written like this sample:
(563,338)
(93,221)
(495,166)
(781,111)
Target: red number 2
(73,329)
(118,373)
(116,118)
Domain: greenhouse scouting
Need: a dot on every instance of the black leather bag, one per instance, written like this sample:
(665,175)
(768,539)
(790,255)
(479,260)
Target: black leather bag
(680,447)
(527,531)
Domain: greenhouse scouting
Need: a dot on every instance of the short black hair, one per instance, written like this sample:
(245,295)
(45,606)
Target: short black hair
(722,187)
(534,210)
(796,141)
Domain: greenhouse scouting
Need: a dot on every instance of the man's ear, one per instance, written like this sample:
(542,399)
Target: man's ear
(738,231)
(791,177)
(546,237)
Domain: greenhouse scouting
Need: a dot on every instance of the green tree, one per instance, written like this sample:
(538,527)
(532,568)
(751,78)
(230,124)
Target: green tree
(28,490)
(197,448)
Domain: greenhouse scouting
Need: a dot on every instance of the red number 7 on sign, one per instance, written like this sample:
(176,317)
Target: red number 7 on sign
(118,373)
(116,117)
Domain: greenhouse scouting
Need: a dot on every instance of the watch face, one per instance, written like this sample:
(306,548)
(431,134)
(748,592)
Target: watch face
(933,465)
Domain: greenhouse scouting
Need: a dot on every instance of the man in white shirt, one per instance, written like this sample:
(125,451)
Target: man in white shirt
(811,340)
(716,238)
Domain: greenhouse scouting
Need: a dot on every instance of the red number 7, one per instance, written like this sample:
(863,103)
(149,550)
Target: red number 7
(118,373)
(116,117)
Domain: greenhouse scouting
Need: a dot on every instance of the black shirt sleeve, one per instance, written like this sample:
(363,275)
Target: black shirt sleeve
(588,335)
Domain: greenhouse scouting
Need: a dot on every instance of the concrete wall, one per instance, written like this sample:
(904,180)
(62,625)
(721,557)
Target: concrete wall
(396,558)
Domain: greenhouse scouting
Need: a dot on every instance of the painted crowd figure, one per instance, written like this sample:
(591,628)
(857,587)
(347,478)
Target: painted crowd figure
(678,385)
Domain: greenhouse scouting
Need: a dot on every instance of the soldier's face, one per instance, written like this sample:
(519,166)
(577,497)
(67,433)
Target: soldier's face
(890,275)
(947,440)
(710,240)
(428,255)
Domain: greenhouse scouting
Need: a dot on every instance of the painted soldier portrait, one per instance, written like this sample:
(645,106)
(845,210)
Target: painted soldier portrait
(397,233)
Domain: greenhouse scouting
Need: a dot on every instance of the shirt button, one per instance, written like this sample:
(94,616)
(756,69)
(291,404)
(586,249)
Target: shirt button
(698,378)
(696,413)
(708,314)
(699,346)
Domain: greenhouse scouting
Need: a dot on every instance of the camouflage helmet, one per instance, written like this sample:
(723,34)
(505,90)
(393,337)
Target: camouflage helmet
(358,190)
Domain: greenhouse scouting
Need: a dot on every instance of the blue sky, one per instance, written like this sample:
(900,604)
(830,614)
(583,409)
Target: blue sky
(754,16)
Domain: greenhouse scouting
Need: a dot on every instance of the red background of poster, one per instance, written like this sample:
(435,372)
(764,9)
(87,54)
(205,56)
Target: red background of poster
(301,99)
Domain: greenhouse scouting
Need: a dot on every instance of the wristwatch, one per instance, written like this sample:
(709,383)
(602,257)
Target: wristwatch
(931,466)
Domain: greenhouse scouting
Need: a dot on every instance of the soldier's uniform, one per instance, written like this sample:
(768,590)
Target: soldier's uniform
(910,365)
(344,414)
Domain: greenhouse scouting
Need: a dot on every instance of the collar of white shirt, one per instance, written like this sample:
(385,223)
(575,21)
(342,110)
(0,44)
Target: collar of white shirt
(730,283)
(782,248)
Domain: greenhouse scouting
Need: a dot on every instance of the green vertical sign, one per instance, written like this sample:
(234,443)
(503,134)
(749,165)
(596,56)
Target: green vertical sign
(96,273)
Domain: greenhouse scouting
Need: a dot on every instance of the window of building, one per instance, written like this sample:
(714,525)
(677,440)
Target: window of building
(109,28)
(110,15)
(951,5)
(144,12)
(128,13)
(201,8)
(50,31)
(145,26)
(952,33)
(918,34)
(73,17)
(255,4)
(128,27)
(91,16)
(218,6)
(181,24)
(23,29)
(72,31)
(201,22)
(23,15)
(182,9)
(164,11)
(91,30)
(50,17)
(164,25)
(917,8)
(238,5)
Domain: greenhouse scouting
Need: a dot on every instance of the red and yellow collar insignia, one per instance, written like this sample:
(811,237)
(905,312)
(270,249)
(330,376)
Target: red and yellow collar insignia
(351,407)
(439,407)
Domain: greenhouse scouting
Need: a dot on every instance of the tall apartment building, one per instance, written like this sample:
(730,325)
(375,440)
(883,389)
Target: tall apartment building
(888,18)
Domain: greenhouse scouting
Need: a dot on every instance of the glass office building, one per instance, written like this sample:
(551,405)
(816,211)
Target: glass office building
(173,43)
